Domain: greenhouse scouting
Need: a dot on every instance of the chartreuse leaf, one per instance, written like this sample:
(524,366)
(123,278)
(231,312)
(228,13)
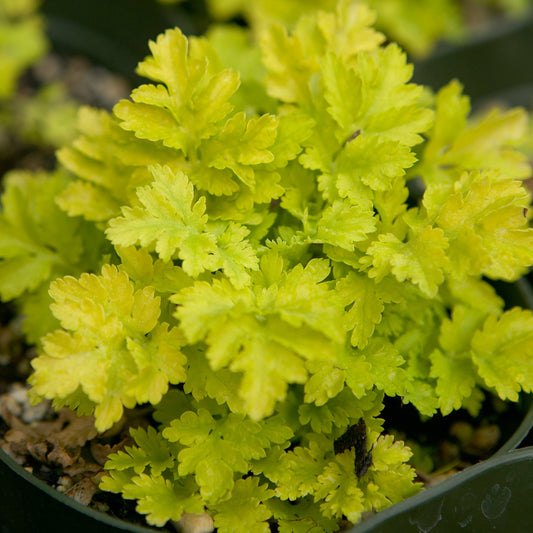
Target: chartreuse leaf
(418,25)
(400,347)
(110,164)
(295,472)
(452,365)
(452,109)
(502,352)
(456,144)
(23,42)
(215,449)
(422,259)
(475,293)
(387,367)
(341,411)
(241,144)
(372,162)
(344,26)
(343,493)
(293,59)
(221,385)
(38,243)
(366,299)
(245,511)
(163,276)
(339,490)
(37,240)
(377,118)
(192,99)
(151,450)
(236,50)
(288,64)
(390,479)
(343,93)
(326,381)
(301,516)
(171,219)
(266,331)
(376,137)
(382,102)
(294,127)
(241,159)
(111,346)
(234,254)
(161,499)
(484,219)
(342,225)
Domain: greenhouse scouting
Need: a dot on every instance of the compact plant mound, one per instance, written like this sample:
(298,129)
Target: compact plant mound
(237,245)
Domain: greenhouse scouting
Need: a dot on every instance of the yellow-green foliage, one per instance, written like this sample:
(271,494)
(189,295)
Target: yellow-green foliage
(267,278)
(416,25)
(46,118)
(22,41)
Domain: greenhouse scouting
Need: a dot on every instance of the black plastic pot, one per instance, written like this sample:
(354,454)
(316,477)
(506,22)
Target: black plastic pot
(493,67)
(29,505)
(492,496)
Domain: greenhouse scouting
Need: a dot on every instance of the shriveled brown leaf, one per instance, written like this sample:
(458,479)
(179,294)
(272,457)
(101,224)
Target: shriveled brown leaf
(17,441)
(83,491)
(82,467)
(8,449)
(65,457)
(77,430)
(39,450)
(100,451)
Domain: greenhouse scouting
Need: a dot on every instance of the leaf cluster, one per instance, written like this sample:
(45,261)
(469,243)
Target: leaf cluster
(23,41)
(416,26)
(245,254)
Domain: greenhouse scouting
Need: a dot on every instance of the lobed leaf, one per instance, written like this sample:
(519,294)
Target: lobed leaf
(111,346)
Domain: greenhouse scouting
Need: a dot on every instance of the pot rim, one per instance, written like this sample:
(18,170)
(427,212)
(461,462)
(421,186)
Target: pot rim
(99,516)
(444,487)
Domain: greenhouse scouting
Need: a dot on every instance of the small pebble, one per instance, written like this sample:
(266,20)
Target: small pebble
(65,482)
(26,412)
(195,523)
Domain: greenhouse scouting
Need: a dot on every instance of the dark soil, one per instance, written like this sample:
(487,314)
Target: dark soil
(445,445)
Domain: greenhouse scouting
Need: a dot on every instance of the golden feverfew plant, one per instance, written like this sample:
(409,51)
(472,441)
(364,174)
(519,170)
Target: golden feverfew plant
(237,245)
